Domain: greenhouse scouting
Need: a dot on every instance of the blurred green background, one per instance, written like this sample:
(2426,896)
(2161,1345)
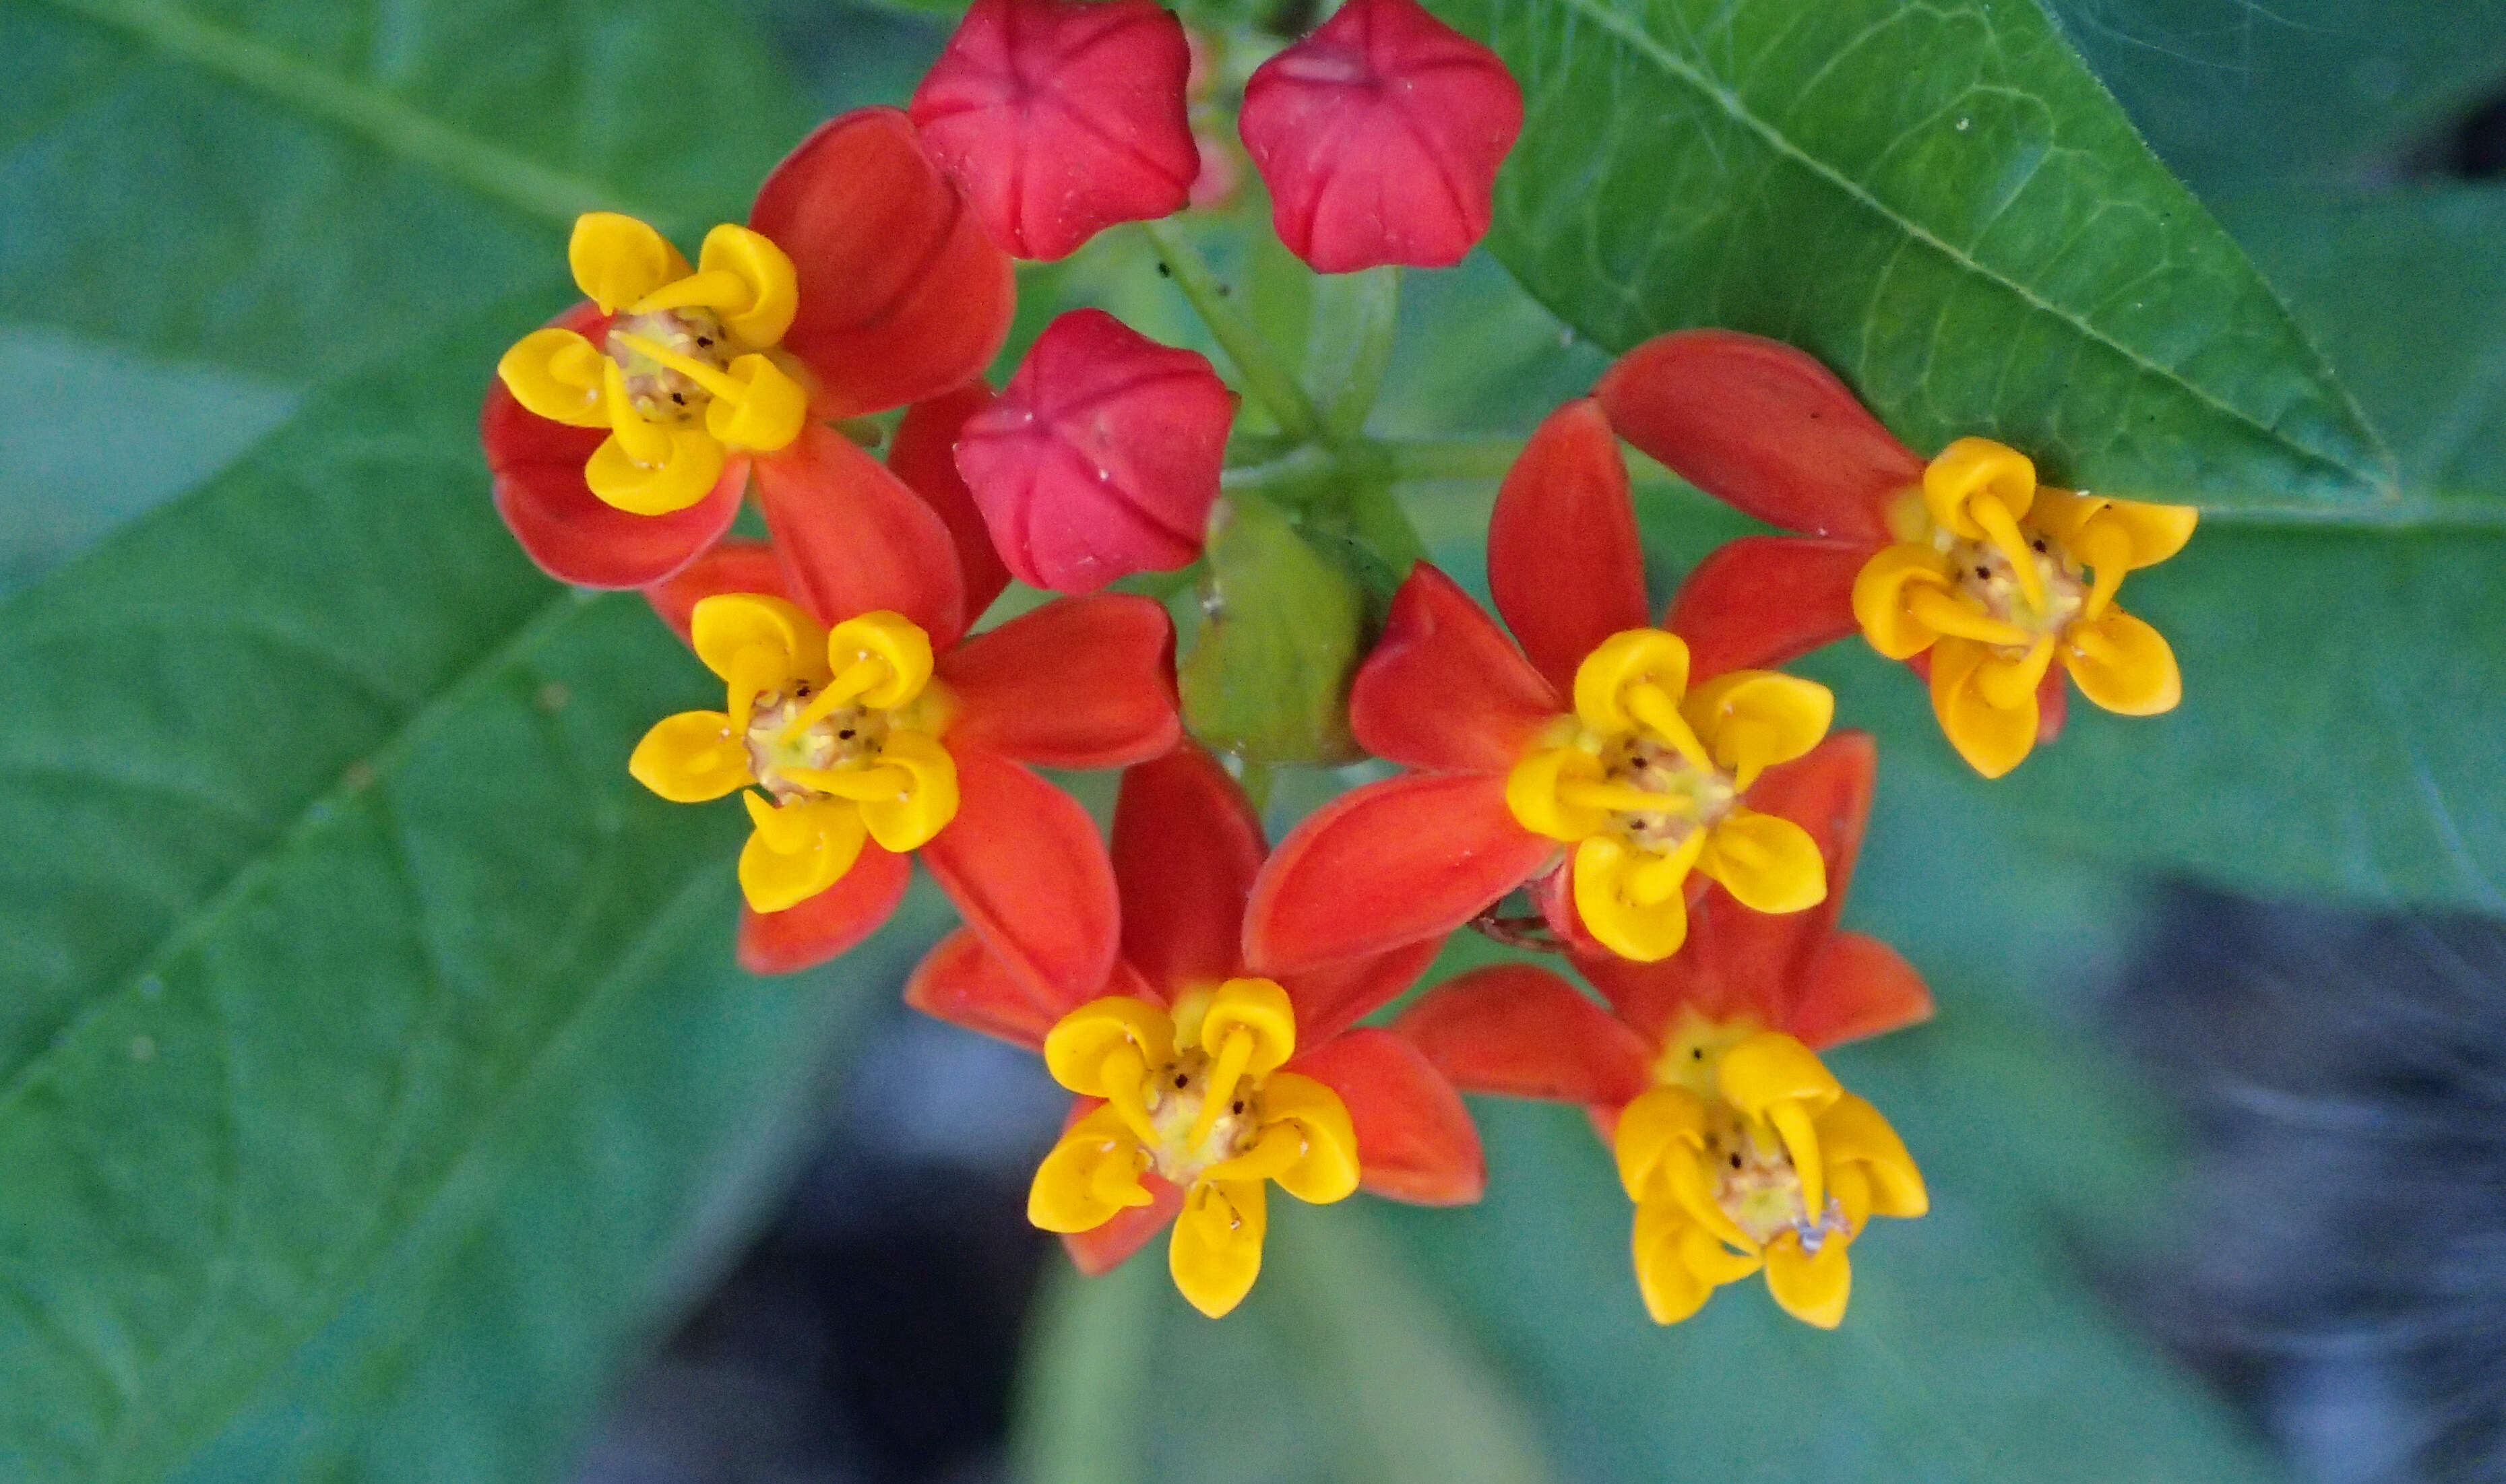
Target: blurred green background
(409,1195)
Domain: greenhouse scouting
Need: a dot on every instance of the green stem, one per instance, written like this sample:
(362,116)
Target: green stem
(1356,316)
(1271,383)
(1453,458)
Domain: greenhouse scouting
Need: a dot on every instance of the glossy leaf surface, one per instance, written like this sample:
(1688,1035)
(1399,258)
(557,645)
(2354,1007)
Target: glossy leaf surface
(1937,201)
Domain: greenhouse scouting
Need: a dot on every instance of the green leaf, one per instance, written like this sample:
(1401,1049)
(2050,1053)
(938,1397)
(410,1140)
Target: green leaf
(343,879)
(1337,1368)
(288,189)
(1268,675)
(1937,201)
(2406,291)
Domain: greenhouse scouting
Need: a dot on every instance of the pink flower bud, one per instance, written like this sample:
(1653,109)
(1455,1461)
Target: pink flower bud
(1102,456)
(1380,136)
(1060,120)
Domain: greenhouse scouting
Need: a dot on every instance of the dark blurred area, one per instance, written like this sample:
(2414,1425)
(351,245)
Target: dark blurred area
(870,1334)
(2338,1262)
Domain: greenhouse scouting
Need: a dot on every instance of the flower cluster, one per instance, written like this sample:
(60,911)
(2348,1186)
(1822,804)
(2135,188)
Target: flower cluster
(1676,813)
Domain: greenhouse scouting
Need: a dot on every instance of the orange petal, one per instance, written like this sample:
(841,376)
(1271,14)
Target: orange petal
(1024,864)
(1759,601)
(1445,689)
(1857,986)
(1387,864)
(734,566)
(1762,427)
(829,924)
(1565,565)
(1522,1032)
(1080,682)
(1329,998)
(903,298)
(1103,1248)
(1414,1140)
(965,983)
(1186,846)
(854,539)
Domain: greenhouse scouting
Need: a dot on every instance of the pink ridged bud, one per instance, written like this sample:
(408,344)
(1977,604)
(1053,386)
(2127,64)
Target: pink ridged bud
(1101,458)
(1380,136)
(1060,120)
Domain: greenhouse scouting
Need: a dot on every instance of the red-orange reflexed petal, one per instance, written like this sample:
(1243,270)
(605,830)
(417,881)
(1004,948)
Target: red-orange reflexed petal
(572,534)
(1022,862)
(1079,683)
(903,298)
(1764,428)
(1759,601)
(1445,689)
(1414,1140)
(831,923)
(1857,986)
(1387,864)
(1522,1032)
(924,455)
(2053,703)
(1101,1251)
(1186,846)
(1329,998)
(965,983)
(1649,997)
(1563,562)
(734,566)
(854,539)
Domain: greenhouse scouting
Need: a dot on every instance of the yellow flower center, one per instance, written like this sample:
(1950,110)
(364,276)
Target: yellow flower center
(1197,1096)
(1745,1155)
(1999,577)
(688,371)
(841,727)
(1645,781)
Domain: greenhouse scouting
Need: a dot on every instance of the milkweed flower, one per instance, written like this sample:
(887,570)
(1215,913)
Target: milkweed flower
(1738,1148)
(1594,745)
(1060,120)
(1380,136)
(1963,564)
(1199,1083)
(621,436)
(1101,457)
(862,725)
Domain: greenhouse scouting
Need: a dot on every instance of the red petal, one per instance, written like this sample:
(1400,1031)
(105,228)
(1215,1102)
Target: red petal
(1445,689)
(571,533)
(965,983)
(1101,457)
(831,923)
(1857,986)
(1415,1139)
(1565,565)
(1079,683)
(2053,703)
(1061,120)
(734,566)
(1329,998)
(924,455)
(1022,862)
(1759,601)
(901,296)
(1186,845)
(1762,427)
(855,539)
(1520,1032)
(1100,1251)
(1380,136)
(1385,866)
(1649,997)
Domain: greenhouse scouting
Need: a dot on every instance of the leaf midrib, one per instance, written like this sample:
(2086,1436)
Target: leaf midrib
(1674,66)
(552,195)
